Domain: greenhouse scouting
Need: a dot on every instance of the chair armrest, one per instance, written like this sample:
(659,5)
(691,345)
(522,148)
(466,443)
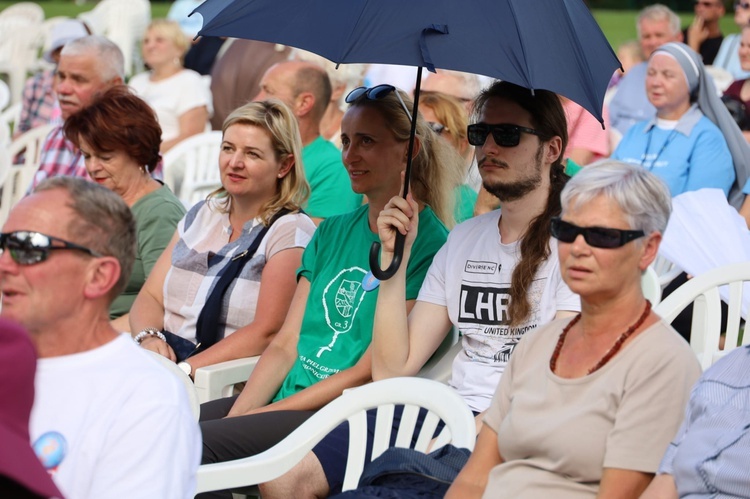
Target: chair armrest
(215,381)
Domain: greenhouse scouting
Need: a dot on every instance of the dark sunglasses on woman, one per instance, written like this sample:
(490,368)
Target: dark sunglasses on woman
(375,93)
(504,135)
(598,237)
(29,248)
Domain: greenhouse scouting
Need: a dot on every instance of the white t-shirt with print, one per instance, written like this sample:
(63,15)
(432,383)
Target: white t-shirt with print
(113,423)
(471,276)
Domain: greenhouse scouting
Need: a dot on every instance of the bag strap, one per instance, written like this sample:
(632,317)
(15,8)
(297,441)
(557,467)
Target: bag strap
(206,329)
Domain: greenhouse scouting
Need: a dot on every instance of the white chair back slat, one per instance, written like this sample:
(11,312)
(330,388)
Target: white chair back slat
(703,291)
(383,427)
(406,427)
(442,400)
(426,432)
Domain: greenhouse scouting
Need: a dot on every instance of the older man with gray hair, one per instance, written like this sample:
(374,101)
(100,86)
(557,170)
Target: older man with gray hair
(107,420)
(88,66)
(656,25)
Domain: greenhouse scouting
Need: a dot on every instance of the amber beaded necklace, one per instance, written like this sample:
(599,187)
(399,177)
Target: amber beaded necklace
(612,351)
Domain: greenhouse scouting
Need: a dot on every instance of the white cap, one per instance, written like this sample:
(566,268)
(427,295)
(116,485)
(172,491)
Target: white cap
(62,33)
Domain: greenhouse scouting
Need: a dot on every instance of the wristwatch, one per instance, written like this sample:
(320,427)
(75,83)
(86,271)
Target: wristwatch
(186,368)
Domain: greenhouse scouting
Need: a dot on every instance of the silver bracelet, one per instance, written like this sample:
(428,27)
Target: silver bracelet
(149,331)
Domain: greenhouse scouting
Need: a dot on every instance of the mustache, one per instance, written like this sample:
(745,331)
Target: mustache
(492,161)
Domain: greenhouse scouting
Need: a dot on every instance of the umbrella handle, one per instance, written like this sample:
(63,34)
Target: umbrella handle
(398,252)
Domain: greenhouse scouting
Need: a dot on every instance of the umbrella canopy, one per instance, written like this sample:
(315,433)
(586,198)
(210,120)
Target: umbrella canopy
(554,45)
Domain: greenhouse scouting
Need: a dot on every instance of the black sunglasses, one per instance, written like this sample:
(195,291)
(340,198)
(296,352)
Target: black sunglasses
(29,248)
(598,237)
(504,135)
(375,93)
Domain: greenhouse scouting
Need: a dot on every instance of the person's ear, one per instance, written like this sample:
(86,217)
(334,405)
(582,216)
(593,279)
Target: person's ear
(553,149)
(304,104)
(650,250)
(286,166)
(102,275)
(417,147)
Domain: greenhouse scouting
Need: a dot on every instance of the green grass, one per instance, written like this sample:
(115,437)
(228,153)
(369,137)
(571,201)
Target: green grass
(617,25)
(53,8)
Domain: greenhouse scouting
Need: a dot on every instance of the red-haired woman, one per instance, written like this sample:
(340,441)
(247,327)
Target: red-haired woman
(119,137)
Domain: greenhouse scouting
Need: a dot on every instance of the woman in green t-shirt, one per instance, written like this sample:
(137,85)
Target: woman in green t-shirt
(323,346)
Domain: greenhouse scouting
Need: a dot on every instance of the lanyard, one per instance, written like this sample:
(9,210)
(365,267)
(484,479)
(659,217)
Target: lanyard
(648,146)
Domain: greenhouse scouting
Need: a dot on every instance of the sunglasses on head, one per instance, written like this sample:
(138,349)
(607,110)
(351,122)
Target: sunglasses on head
(29,248)
(375,93)
(504,135)
(598,237)
(743,5)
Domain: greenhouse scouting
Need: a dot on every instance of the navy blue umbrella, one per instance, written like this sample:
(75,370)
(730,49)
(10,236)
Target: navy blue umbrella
(553,45)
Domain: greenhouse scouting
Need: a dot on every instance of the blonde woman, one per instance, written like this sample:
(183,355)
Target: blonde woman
(261,174)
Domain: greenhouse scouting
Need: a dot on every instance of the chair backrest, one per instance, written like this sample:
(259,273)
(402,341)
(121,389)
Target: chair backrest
(19,51)
(30,11)
(19,176)
(651,286)
(704,292)
(441,402)
(191,168)
(11,116)
(195,407)
(666,270)
(124,22)
(4,95)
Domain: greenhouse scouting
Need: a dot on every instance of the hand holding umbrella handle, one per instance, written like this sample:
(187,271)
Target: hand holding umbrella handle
(398,252)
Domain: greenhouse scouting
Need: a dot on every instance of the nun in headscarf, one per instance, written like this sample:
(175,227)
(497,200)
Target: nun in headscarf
(692,142)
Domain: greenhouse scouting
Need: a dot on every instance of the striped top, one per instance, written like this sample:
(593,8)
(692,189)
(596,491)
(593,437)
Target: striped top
(204,250)
(709,456)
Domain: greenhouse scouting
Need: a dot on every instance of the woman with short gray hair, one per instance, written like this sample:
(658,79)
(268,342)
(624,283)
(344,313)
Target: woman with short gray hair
(587,406)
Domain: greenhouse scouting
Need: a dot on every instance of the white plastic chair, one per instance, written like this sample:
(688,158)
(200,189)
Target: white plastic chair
(666,270)
(191,168)
(32,12)
(651,286)
(216,381)
(124,22)
(19,177)
(19,51)
(703,292)
(11,116)
(4,95)
(184,379)
(442,402)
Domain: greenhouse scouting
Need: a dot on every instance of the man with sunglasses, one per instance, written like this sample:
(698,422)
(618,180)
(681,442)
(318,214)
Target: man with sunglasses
(107,420)
(306,89)
(704,33)
(496,278)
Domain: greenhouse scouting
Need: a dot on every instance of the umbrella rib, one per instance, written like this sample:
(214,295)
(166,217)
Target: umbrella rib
(589,77)
(348,44)
(514,16)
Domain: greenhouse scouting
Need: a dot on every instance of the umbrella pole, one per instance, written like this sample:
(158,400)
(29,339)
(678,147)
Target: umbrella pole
(398,250)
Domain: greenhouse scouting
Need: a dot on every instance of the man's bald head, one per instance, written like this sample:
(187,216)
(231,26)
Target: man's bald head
(289,80)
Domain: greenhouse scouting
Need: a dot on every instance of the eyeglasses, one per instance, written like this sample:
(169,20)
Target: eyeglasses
(505,135)
(743,5)
(598,237)
(29,248)
(375,93)
(438,128)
